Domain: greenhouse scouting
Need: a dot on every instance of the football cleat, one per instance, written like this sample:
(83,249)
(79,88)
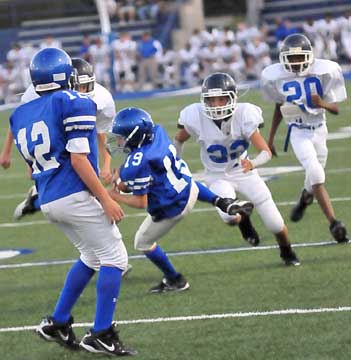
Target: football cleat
(338,231)
(27,205)
(127,270)
(178,284)
(106,342)
(289,257)
(248,231)
(298,210)
(63,334)
(233,207)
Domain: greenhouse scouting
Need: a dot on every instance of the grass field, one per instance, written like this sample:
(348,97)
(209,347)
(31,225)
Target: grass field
(248,291)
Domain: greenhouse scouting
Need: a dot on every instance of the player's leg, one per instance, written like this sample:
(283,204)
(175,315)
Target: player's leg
(337,229)
(146,241)
(231,206)
(100,244)
(303,148)
(255,189)
(29,205)
(226,189)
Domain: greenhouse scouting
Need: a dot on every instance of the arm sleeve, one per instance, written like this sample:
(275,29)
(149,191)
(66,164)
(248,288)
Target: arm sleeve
(335,90)
(251,120)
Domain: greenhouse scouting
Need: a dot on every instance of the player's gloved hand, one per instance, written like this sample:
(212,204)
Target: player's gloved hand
(112,210)
(233,207)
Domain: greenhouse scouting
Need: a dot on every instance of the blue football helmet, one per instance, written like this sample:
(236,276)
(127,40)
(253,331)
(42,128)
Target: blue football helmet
(132,127)
(50,69)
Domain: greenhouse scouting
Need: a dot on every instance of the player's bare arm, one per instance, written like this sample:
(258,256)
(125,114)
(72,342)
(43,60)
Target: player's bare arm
(135,201)
(5,155)
(264,155)
(181,136)
(83,168)
(105,171)
(277,118)
(320,103)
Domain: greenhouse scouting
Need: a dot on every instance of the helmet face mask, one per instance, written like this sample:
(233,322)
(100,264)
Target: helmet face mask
(296,54)
(84,81)
(131,128)
(218,96)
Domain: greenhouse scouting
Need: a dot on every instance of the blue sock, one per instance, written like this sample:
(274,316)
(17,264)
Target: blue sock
(160,259)
(205,194)
(36,204)
(107,290)
(76,281)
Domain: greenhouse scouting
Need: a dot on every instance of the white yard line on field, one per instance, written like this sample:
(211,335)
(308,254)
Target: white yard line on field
(177,253)
(204,317)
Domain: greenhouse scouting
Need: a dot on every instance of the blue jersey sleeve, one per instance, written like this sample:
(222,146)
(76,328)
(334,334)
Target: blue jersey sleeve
(136,173)
(78,113)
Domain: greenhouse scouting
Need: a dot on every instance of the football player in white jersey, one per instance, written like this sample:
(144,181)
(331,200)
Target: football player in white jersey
(303,89)
(224,129)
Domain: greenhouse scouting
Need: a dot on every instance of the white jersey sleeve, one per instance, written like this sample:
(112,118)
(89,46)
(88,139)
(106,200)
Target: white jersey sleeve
(333,82)
(190,119)
(268,83)
(29,95)
(247,119)
(106,109)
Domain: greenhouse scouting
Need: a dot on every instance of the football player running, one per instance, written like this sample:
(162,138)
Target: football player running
(224,129)
(162,183)
(303,89)
(56,136)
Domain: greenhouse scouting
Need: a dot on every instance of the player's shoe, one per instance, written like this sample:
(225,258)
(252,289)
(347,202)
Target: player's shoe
(248,231)
(298,210)
(178,284)
(27,205)
(127,270)
(234,206)
(289,258)
(338,231)
(106,342)
(63,334)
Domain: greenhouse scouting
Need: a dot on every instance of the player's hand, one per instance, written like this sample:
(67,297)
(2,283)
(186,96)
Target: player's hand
(112,210)
(5,160)
(105,175)
(246,165)
(317,101)
(272,149)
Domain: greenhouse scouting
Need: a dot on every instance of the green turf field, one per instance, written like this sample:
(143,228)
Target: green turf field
(247,290)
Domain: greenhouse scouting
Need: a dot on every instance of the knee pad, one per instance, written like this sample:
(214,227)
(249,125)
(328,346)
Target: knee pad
(271,216)
(315,173)
(223,188)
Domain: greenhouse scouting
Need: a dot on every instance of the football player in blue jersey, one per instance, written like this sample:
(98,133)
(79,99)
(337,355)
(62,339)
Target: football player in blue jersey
(56,136)
(162,183)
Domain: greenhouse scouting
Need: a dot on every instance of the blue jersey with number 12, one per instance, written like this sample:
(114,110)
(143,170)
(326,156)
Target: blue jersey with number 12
(154,169)
(45,129)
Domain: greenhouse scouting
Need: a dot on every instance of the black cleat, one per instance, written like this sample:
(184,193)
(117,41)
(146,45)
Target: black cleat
(166,285)
(234,206)
(289,258)
(106,342)
(338,231)
(248,231)
(27,205)
(298,210)
(63,334)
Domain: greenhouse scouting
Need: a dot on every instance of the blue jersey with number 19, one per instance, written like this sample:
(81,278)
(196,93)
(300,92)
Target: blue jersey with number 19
(46,131)
(154,169)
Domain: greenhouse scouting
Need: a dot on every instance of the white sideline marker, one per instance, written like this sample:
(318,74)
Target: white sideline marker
(202,317)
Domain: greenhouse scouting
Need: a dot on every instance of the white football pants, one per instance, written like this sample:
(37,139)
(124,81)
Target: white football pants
(81,217)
